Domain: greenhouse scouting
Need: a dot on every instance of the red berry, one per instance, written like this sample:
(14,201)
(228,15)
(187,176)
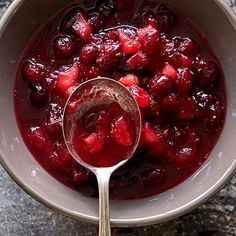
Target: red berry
(180,60)
(110,54)
(138,61)
(93,143)
(129,80)
(150,40)
(141,96)
(148,134)
(169,71)
(82,27)
(67,78)
(171,103)
(130,45)
(160,86)
(188,109)
(121,133)
(63,46)
(186,46)
(88,54)
(206,72)
(32,71)
(184,81)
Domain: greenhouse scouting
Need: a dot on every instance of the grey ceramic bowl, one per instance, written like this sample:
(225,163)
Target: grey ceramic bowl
(18,24)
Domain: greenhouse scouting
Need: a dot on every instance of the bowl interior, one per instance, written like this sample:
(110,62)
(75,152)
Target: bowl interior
(17,26)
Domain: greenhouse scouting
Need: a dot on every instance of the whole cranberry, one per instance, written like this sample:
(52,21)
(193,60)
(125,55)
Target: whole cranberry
(39,96)
(63,46)
(32,71)
(188,109)
(206,72)
(184,81)
(180,60)
(160,86)
(88,54)
(168,46)
(171,103)
(186,46)
(110,54)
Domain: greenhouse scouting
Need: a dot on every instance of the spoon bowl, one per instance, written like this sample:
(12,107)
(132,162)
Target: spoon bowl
(100,92)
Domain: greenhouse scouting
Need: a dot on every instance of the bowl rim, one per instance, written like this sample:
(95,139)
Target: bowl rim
(143,221)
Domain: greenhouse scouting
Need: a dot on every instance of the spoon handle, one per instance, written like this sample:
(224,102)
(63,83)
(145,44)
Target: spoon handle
(103,178)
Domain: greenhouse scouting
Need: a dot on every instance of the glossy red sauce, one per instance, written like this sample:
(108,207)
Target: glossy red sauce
(165,62)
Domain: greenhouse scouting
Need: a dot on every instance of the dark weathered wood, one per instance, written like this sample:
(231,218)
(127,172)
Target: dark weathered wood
(21,215)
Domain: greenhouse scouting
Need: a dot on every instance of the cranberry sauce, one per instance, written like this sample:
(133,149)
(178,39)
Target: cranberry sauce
(162,59)
(104,136)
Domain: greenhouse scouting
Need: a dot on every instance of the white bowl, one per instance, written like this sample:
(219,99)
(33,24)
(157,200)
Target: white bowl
(18,24)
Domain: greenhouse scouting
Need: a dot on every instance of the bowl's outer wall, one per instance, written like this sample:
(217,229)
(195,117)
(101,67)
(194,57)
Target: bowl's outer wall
(16,28)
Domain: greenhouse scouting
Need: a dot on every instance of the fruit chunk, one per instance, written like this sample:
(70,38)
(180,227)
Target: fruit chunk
(206,72)
(186,46)
(82,27)
(180,60)
(169,71)
(129,80)
(141,96)
(32,71)
(184,81)
(138,61)
(93,143)
(110,54)
(67,78)
(89,54)
(148,134)
(130,45)
(171,103)
(150,40)
(63,46)
(188,109)
(160,86)
(121,132)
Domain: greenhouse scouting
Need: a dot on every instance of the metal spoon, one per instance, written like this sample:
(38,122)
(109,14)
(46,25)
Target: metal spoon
(96,92)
